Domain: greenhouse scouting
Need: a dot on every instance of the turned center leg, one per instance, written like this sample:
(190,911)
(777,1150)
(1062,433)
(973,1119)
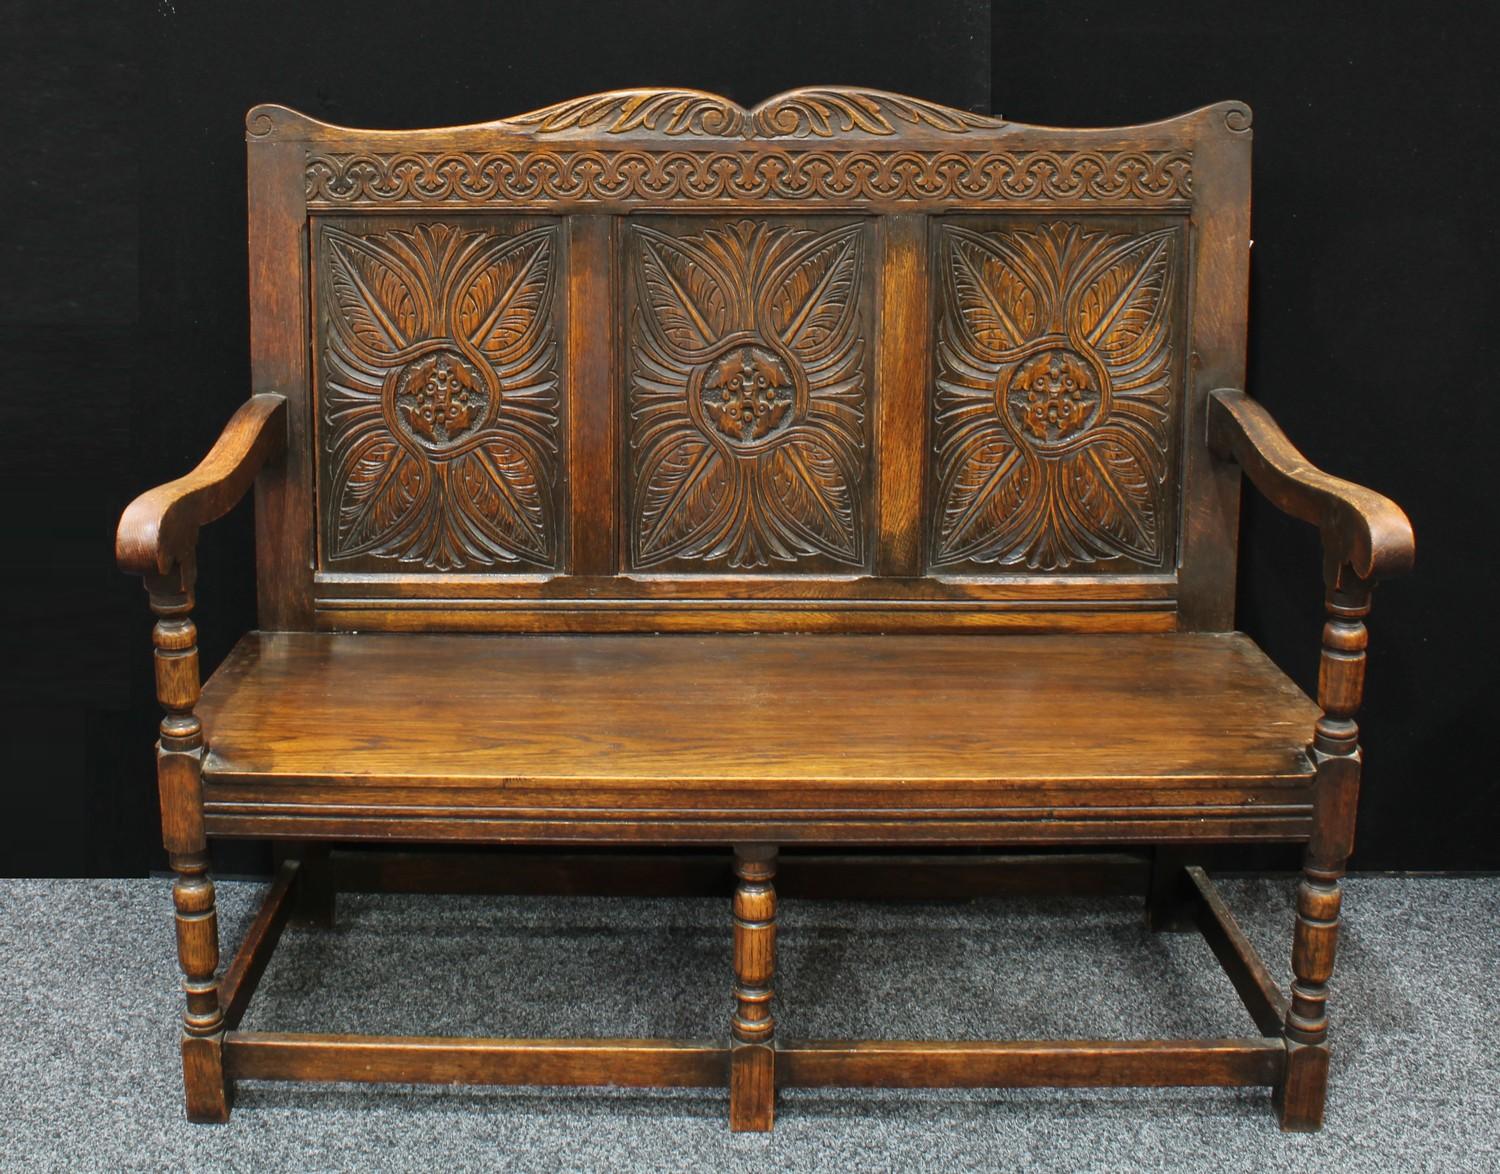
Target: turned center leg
(752,1065)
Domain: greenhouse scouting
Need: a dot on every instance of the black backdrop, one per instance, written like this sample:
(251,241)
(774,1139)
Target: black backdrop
(123,337)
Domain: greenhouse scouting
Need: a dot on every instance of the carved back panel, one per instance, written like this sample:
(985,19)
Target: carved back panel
(649,360)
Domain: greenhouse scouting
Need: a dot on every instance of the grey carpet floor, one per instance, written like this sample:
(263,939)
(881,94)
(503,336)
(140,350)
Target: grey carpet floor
(89,1070)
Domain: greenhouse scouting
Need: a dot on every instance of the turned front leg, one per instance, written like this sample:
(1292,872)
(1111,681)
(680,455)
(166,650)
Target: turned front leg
(1336,752)
(752,1063)
(179,773)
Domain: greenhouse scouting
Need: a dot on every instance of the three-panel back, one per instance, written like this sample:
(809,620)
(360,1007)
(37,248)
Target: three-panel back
(649,360)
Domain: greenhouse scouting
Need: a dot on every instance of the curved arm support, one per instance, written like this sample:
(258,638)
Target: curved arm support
(1361,529)
(159,529)
(1366,537)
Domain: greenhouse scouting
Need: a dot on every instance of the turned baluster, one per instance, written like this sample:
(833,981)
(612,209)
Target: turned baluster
(1335,751)
(179,767)
(752,1072)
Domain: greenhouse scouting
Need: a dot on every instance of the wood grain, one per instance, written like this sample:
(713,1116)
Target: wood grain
(159,529)
(1027,1064)
(1361,528)
(622,1063)
(254,955)
(1165,714)
(1251,979)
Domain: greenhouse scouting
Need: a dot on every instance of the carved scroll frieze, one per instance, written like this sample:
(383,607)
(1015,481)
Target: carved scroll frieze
(438,396)
(747,395)
(1056,398)
(633,175)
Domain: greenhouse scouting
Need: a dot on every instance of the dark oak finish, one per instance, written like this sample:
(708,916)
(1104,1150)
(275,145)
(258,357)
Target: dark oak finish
(254,955)
(1253,982)
(622,1063)
(752,1029)
(159,529)
(1361,529)
(1026,1064)
(1200,729)
(840,473)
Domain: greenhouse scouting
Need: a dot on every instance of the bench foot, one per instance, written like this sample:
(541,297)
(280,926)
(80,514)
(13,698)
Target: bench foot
(206,1090)
(752,1061)
(1299,1099)
(752,1088)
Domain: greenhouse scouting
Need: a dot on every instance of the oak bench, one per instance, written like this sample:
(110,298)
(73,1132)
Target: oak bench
(848,471)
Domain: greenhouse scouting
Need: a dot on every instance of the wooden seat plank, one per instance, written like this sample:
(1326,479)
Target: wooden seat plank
(704,721)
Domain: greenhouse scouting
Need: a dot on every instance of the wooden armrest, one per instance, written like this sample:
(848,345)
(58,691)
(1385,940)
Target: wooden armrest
(159,529)
(1361,529)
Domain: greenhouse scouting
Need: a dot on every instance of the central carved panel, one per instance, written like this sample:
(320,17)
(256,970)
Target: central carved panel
(747,402)
(1057,400)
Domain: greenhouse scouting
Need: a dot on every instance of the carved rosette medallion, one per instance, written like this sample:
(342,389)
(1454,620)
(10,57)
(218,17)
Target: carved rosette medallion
(1054,394)
(747,397)
(439,397)
(1054,403)
(439,404)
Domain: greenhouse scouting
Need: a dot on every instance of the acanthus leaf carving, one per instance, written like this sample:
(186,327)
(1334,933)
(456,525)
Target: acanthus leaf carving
(691,297)
(440,411)
(818,112)
(1054,408)
(671,112)
(829,111)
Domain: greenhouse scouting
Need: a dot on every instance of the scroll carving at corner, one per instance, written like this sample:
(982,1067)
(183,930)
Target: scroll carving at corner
(747,396)
(820,113)
(260,122)
(1055,403)
(452,177)
(438,396)
(1238,118)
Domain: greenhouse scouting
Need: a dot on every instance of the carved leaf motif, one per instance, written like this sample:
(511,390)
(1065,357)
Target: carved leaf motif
(997,310)
(1053,413)
(500,303)
(671,112)
(1122,307)
(500,497)
(1111,488)
(826,112)
(438,395)
(685,291)
(812,303)
(378,494)
(823,112)
(747,396)
(684,493)
(813,497)
(983,503)
(376,297)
